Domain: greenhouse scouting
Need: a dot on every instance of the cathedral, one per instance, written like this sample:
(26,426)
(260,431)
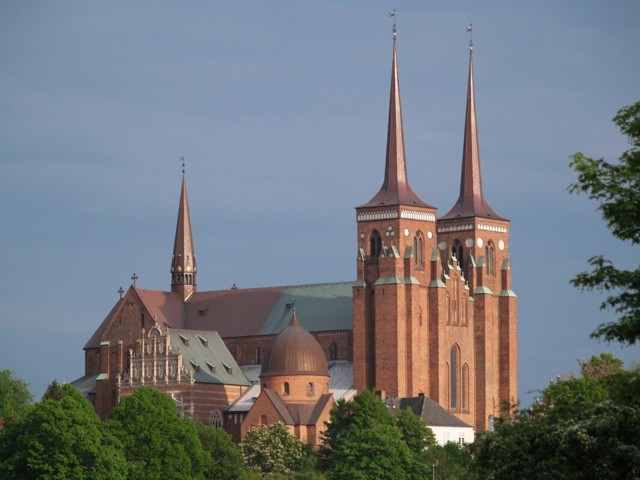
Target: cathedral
(430,314)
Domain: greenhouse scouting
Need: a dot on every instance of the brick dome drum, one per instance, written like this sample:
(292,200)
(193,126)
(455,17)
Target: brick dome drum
(294,352)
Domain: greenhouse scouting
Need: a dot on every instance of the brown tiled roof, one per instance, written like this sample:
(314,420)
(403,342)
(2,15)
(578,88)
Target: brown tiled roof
(246,312)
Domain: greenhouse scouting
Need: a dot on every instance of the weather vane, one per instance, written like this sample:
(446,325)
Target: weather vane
(470,30)
(182,160)
(392,13)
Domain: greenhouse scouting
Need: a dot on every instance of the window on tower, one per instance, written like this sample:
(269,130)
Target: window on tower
(456,251)
(376,244)
(418,249)
(489,255)
(454,378)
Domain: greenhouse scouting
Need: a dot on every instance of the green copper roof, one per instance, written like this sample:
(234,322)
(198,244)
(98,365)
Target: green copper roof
(320,307)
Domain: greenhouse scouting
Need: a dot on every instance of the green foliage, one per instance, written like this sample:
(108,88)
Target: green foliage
(157,442)
(61,437)
(271,449)
(15,398)
(586,428)
(449,462)
(601,366)
(363,441)
(415,432)
(226,458)
(616,187)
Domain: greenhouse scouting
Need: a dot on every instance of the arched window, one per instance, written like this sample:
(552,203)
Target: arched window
(454,379)
(216,419)
(285,388)
(490,259)
(464,384)
(418,249)
(375,244)
(456,251)
(263,420)
(310,388)
(333,351)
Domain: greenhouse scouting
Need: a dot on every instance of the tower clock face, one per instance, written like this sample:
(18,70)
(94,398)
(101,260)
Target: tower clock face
(479,242)
(501,245)
(406,232)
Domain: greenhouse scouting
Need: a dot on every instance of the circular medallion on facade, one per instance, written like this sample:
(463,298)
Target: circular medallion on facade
(501,245)
(429,234)
(406,232)
(442,245)
(469,242)
(390,227)
(386,234)
(480,243)
(361,234)
(392,233)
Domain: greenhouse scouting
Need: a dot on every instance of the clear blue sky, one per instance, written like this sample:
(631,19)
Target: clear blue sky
(281,111)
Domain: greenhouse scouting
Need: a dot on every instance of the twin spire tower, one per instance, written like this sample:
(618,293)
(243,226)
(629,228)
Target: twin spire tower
(433,309)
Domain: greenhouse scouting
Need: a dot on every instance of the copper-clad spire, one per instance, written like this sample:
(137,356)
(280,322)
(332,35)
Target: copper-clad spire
(471,202)
(183,264)
(395,190)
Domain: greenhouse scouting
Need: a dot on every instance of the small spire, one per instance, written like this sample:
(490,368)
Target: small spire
(294,319)
(183,263)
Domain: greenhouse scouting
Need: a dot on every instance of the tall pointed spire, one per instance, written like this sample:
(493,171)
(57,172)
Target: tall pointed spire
(183,263)
(395,189)
(471,202)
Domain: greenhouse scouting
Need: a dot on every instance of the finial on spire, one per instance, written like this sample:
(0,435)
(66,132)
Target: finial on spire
(134,277)
(392,13)
(121,292)
(181,159)
(469,29)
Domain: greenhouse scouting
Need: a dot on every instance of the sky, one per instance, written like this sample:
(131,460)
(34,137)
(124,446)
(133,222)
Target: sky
(280,109)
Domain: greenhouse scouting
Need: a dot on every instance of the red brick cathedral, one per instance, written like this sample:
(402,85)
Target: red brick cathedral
(431,313)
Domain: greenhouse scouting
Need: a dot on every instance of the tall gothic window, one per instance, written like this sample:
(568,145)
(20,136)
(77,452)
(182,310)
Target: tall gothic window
(454,379)
(418,249)
(490,259)
(464,384)
(375,244)
(456,251)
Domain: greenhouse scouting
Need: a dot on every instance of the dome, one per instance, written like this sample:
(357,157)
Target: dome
(294,352)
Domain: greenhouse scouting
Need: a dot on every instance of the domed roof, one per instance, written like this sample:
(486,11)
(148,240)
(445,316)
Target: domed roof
(294,352)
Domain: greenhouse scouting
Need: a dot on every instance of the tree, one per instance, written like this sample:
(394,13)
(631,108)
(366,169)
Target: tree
(601,366)
(363,441)
(157,442)
(415,432)
(226,458)
(272,449)
(616,187)
(585,428)
(15,398)
(60,437)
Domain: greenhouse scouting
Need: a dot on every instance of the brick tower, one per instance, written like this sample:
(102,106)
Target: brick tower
(473,243)
(396,234)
